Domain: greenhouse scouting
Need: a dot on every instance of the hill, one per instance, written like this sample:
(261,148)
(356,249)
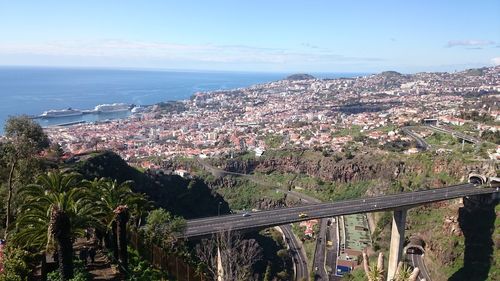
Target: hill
(189,198)
(300,76)
(390,74)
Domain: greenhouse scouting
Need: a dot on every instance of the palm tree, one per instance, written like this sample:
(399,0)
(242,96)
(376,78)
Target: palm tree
(121,218)
(117,204)
(57,207)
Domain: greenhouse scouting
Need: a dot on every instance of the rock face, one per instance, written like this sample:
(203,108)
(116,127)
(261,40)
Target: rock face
(451,226)
(361,167)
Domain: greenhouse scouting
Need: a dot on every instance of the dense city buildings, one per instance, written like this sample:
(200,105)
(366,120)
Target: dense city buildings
(311,113)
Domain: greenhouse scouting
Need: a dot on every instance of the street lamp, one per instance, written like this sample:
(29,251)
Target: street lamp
(218,209)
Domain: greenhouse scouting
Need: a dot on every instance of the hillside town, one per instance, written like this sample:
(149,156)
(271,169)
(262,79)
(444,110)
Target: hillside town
(311,113)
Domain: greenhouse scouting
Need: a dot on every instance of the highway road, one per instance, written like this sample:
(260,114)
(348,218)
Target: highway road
(421,143)
(332,251)
(297,252)
(275,217)
(455,134)
(319,254)
(417,260)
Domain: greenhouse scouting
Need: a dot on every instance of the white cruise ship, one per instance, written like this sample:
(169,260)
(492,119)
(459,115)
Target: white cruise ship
(61,113)
(113,107)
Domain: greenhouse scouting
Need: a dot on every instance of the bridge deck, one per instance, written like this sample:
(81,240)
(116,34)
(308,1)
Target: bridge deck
(274,217)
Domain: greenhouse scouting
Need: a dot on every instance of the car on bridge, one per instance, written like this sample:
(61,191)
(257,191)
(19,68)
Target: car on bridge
(303,215)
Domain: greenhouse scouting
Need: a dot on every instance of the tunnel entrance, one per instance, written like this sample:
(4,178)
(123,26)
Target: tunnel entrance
(415,246)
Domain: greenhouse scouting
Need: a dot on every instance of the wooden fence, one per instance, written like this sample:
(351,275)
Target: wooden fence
(164,261)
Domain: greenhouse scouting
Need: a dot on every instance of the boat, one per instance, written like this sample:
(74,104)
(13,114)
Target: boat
(61,113)
(112,107)
(138,109)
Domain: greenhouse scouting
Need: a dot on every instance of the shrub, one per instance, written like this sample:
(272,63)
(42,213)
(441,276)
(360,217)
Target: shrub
(81,273)
(15,265)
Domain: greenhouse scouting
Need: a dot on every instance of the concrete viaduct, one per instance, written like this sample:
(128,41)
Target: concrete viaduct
(479,187)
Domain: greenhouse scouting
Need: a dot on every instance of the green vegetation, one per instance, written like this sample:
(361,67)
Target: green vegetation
(273,141)
(342,191)
(494,273)
(16,266)
(477,117)
(246,194)
(141,270)
(356,275)
(18,156)
(161,227)
(490,136)
(80,274)
(45,212)
(277,261)
(308,243)
(353,131)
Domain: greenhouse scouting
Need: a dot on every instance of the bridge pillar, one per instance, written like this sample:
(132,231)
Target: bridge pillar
(220,269)
(397,241)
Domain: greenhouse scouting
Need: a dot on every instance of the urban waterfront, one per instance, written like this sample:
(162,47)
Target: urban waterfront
(33,90)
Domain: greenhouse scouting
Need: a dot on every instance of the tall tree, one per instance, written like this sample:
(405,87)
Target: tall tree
(25,140)
(55,210)
(121,218)
(111,198)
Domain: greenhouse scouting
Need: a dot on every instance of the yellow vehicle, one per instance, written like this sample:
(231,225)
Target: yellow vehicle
(329,243)
(302,215)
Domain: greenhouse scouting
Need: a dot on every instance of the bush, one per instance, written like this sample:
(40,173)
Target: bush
(80,273)
(161,226)
(141,270)
(15,265)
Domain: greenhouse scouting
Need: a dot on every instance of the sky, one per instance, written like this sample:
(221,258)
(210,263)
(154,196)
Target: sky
(253,35)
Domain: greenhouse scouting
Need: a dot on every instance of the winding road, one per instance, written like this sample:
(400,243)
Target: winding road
(421,143)
(417,260)
(298,255)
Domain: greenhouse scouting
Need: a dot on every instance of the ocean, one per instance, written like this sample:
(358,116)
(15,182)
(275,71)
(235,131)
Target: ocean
(33,90)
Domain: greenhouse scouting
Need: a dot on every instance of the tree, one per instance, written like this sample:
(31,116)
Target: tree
(121,218)
(161,227)
(25,139)
(55,210)
(117,204)
(237,255)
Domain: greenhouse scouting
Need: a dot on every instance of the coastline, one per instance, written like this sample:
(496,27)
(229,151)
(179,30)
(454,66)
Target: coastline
(31,91)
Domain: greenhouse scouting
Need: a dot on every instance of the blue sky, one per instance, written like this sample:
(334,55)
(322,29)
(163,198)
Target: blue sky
(252,35)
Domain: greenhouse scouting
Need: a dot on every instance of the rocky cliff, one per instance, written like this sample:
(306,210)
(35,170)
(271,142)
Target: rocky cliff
(363,166)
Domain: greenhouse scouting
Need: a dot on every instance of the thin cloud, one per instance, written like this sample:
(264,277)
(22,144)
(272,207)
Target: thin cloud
(469,43)
(496,61)
(114,48)
(307,45)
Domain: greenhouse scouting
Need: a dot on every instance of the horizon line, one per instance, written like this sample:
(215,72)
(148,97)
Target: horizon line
(194,70)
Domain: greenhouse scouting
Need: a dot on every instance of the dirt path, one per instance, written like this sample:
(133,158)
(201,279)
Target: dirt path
(101,268)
